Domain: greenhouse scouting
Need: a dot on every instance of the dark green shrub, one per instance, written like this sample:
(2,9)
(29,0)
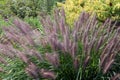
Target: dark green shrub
(5,11)
(23,8)
(85,52)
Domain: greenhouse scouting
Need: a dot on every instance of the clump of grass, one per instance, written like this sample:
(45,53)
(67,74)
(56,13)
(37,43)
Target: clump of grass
(85,52)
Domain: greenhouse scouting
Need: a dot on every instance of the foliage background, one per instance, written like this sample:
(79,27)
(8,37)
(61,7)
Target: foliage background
(103,8)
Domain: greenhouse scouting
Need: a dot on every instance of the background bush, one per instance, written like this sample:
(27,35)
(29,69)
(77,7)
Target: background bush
(5,8)
(34,22)
(103,8)
(23,8)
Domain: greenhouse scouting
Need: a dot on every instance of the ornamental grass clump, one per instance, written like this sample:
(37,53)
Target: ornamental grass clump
(87,51)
